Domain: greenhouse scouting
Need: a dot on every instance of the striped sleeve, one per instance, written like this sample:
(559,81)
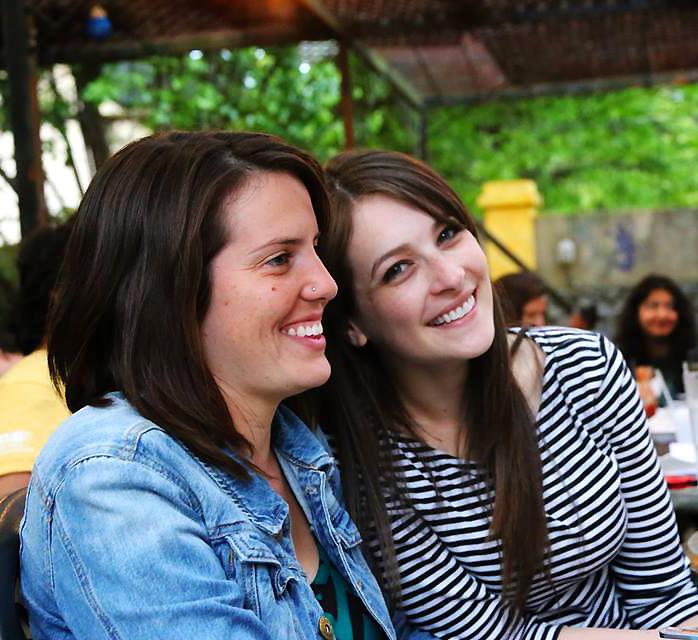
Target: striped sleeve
(651,570)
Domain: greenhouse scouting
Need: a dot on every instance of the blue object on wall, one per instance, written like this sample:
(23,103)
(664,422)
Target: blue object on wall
(625,249)
(98,24)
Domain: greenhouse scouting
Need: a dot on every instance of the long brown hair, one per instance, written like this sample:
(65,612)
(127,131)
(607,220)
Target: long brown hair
(135,282)
(360,407)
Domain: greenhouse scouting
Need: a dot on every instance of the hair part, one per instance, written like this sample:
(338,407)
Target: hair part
(361,409)
(135,285)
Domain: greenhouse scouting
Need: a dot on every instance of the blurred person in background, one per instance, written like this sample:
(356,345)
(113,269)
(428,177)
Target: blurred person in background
(523,298)
(30,408)
(656,328)
(9,354)
(585,316)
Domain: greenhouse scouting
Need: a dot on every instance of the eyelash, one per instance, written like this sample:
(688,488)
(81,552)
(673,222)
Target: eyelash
(393,272)
(454,231)
(280,260)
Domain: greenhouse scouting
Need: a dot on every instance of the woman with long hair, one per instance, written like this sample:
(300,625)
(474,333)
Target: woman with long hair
(656,328)
(180,500)
(500,495)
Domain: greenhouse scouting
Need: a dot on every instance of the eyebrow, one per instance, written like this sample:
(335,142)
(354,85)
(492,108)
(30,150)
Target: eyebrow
(289,242)
(278,241)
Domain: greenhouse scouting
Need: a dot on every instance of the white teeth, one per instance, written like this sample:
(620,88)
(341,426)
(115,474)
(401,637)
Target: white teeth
(302,332)
(455,314)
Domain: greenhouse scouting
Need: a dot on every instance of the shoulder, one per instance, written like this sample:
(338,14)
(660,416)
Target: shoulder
(32,368)
(574,358)
(563,346)
(115,431)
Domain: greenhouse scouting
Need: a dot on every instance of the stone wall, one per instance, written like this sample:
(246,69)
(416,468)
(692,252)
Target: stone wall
(614,251)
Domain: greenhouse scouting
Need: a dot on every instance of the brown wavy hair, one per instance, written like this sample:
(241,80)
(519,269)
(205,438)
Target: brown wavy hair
(135,284)
(360,406)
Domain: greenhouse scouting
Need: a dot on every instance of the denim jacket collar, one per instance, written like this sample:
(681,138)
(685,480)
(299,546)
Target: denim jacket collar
(293,440)
(262,505)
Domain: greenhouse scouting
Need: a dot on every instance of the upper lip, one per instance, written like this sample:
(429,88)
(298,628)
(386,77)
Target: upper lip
(453,305)
(312,319)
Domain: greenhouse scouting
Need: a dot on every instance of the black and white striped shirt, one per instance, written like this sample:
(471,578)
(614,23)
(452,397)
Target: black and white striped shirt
(615,554)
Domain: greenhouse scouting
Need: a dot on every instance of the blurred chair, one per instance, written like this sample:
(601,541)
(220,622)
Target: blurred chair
(11,613)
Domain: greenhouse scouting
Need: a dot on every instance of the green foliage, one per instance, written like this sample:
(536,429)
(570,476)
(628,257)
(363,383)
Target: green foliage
(271,90)
(636,148)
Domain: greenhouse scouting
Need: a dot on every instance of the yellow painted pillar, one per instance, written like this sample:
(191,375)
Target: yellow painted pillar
(510,209)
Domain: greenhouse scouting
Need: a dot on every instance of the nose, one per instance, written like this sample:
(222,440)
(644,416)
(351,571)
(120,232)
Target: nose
(320,285)
(446,274)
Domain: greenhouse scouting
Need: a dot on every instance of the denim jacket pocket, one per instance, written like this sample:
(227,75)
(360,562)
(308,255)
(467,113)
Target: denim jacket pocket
(264,576)
(345,528)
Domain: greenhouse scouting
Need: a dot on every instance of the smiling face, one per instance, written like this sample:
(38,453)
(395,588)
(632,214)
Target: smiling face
(657,314)
(423,294)
(262,333)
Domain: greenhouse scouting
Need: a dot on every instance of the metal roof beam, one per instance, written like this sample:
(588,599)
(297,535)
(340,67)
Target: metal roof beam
(114,50)
(550,11)
(373,59)
(581,87)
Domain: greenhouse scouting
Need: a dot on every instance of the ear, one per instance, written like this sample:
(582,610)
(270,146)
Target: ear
(356,337)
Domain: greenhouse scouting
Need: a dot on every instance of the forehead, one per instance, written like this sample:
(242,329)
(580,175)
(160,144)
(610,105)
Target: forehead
(659,295)
(268,204)
(380,223)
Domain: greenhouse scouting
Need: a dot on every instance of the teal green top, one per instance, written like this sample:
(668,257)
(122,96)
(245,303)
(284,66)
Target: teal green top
(341,605)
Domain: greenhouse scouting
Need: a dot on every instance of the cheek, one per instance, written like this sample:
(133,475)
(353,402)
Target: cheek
(644,318)
(386,316)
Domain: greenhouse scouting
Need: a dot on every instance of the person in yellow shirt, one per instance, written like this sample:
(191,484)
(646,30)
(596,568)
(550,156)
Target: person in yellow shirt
(30,408)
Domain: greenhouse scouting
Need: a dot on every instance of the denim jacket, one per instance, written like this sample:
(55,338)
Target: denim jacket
(127,535)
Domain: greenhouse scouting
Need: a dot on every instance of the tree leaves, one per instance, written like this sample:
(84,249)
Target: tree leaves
(635,148)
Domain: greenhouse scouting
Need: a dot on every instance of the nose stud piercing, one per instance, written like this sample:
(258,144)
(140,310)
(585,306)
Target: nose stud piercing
(313,289)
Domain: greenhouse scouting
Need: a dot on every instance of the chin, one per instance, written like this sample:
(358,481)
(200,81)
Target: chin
(312,376)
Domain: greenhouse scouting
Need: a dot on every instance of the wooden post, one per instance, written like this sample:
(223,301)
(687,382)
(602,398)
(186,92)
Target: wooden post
(91,122)
(347,99)
(20,62)
(423,149)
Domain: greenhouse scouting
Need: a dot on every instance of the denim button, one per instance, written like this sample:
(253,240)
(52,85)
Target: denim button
(325,628)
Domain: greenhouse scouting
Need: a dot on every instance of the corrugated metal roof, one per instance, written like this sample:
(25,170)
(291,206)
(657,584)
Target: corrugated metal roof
(448,50)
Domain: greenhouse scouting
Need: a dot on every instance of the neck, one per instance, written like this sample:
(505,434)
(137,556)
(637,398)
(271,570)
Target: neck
(252,417)
(433,398)
(657,347)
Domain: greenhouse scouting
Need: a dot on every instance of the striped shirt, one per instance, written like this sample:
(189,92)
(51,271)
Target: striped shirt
(615,557)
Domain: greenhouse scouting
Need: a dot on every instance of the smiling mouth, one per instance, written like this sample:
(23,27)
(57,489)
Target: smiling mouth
(454,314)
(305,331)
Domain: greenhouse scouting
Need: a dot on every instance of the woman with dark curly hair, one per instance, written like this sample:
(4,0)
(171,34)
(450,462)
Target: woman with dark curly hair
(657,328)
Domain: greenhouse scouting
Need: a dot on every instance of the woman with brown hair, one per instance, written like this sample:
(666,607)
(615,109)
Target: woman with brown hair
(501,496)
(180,500)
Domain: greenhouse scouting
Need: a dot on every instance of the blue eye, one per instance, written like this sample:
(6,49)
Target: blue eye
(395,270)
(279,261)
(447,233)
